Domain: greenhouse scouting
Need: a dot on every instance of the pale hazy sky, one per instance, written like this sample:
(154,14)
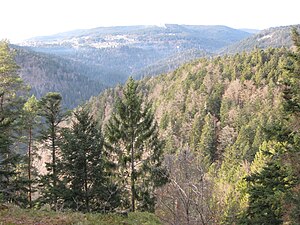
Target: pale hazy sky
(21,19)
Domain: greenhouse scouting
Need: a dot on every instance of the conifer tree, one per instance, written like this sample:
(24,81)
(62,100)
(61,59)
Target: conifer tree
(85,169)
(268,187)
(291,80)
(12,91)
(132,138)
(207,145)
(51,111)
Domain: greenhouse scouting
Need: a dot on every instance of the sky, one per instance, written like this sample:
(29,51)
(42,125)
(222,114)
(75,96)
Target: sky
(22,19)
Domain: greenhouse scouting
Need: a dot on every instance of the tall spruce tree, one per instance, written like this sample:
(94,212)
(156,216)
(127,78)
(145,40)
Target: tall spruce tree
(85,169)
(12,92)
(51,111)
(132,137)
(207,144)
(268,188)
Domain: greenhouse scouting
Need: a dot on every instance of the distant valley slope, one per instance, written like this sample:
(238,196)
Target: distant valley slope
(275,37)
(80,64)
(47,73)
(114,53)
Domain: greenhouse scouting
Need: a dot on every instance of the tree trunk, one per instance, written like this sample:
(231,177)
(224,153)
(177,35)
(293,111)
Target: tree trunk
(29,166)
(132,177)
(54,163)
(86,187)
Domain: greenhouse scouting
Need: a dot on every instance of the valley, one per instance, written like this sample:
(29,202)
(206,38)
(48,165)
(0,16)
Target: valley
(92,60)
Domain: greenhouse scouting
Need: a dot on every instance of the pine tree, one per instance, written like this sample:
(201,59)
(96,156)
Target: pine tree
(50,110)
(207,145)
(291,80)
(268,187)
(85,169)
(132,138)
(12,92)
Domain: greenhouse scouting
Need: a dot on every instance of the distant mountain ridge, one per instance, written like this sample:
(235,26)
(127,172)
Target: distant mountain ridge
(82,63)
(251,31)
(114,53)
(275,37)
(139,36)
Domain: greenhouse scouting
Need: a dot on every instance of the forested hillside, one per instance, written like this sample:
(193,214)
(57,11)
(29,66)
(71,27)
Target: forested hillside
(231,90)
(82,63)
(275,37)
(115,53)
(214,142)
(218,118)
(46,73)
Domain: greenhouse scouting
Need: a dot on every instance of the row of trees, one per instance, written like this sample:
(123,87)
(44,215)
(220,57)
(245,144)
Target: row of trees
(86,170)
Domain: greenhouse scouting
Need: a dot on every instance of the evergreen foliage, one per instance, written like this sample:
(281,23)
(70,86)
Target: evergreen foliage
(276,185)
(132,138)
(207,145)
(12,91)
(267,190)
(51,111)
(84,166)
(232,104)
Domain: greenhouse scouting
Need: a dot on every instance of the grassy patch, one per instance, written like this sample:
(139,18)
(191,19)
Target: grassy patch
(14,215)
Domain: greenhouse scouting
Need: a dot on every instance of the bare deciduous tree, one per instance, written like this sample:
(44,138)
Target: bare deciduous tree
(187,198)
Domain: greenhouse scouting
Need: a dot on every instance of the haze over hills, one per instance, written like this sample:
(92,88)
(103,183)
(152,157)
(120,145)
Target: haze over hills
(117,52)
(81,63)
(48,73)
(178,36)
(251,31)
(275,37)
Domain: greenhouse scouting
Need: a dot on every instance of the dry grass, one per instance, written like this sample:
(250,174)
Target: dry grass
(11,215)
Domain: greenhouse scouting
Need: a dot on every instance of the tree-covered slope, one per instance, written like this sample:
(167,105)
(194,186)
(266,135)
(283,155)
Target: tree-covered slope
(237,84)
(228,128)
(275,37)
(219,110)
(79,64)
(115,53)
(49,73)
